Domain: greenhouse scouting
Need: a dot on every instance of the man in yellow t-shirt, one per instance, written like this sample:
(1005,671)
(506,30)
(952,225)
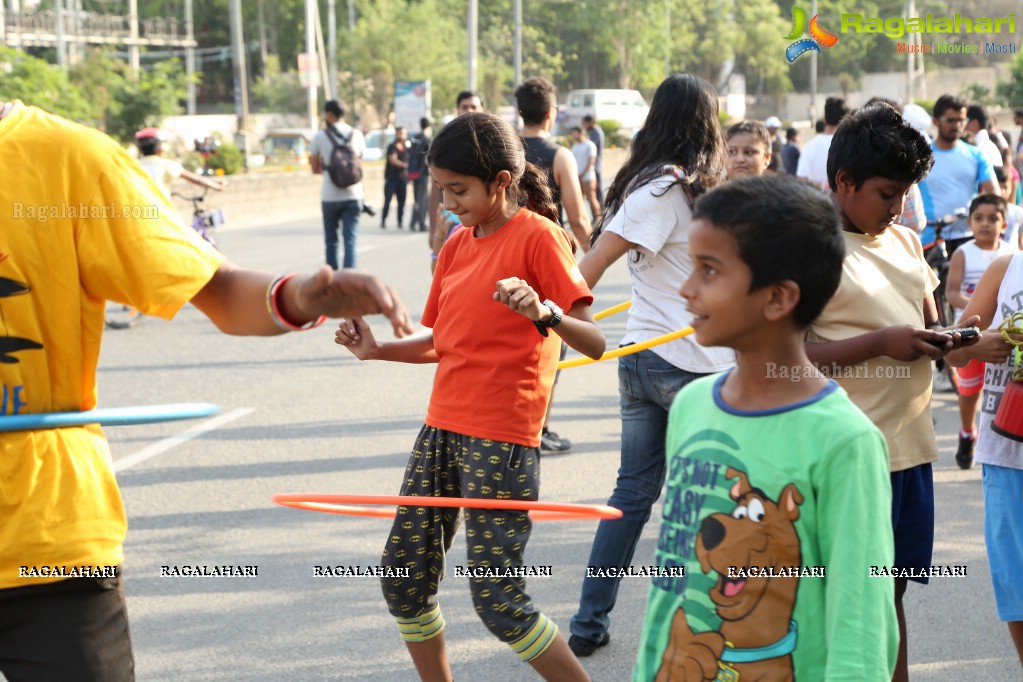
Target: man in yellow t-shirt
(68,244)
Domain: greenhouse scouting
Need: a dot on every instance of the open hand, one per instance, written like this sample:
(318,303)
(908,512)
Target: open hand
(349,293)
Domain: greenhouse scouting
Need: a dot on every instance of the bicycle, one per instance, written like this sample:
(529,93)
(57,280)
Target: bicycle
(203,221)
(123,316)
(938,258)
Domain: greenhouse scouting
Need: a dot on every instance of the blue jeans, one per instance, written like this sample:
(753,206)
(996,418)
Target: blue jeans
(646,386)
(347,214)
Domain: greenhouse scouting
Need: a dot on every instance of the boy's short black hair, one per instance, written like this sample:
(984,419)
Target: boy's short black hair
(1000,204)
(786,230)
(835,110)
(976,112)
(535,98)
(877,142)
(791,134)
(946,102)
(334,107)
(466,94)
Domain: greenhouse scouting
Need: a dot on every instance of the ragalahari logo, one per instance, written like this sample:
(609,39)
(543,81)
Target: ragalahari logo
(818,36)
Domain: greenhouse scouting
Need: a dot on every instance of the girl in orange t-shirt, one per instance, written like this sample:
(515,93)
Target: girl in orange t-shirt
(496,364)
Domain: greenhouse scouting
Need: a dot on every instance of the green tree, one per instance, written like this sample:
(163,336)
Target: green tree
(1011,93)
(278,91)
(158,93)
(101,75)
(399,40)
(40,84)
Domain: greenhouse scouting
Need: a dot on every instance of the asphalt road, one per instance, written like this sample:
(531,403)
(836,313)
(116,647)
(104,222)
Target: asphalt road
(301,415)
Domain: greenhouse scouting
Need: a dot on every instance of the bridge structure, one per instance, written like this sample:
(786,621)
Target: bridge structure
(69,29)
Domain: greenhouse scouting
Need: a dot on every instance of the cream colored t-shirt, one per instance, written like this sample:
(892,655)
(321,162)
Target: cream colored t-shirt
(884,282)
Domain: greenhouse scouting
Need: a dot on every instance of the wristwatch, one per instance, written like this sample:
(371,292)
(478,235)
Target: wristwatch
(556,314)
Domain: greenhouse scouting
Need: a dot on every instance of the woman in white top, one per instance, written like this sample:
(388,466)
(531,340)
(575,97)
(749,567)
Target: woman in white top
(676,156)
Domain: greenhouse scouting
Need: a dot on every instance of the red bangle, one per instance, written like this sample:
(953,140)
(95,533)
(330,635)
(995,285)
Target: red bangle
(273,307)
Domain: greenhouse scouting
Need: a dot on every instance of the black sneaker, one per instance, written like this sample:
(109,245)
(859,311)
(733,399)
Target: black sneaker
(964,455)
(552,442)
(585,647)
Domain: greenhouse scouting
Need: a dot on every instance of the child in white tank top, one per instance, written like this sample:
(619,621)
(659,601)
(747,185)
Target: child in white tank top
(999,295)
(987,220)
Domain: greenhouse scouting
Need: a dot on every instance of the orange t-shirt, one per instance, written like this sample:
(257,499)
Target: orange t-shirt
(495,371)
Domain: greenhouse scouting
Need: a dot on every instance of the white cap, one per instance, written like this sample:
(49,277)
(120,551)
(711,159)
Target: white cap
(772,122)
(917,117)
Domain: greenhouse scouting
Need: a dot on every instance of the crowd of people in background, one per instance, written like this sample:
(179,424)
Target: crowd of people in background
(776,253)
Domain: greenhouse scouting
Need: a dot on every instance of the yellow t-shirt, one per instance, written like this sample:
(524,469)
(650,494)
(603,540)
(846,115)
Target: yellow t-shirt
(884,282)
(82,223)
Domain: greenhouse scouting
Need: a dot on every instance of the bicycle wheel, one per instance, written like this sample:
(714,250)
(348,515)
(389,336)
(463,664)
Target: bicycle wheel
(121,316)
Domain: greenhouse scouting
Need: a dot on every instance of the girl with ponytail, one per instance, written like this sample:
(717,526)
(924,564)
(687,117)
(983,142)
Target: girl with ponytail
(496,360)
(677,156)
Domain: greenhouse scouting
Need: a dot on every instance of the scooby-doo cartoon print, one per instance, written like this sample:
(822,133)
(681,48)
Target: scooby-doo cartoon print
(757,634)
(12,344)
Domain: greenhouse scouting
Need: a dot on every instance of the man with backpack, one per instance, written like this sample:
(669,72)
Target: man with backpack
(336,154)
(419,174)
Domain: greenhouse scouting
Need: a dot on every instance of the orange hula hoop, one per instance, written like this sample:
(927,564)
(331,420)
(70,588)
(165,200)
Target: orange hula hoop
(354,505)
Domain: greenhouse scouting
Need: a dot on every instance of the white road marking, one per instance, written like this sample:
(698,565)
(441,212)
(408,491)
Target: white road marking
(166,444)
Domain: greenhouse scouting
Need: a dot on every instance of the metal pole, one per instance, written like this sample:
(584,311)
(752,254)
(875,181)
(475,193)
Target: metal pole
(58,5)
(241,91)
(351,55)
(518,42)
(133,38)
(813,73)
(667,41)
(310,48)
(190,59)
(473,26)
(331,89)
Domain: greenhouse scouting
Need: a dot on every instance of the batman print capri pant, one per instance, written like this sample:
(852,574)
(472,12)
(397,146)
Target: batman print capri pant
(447,464)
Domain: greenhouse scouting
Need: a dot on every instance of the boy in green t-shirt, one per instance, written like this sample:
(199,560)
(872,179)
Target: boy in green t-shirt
(778,500)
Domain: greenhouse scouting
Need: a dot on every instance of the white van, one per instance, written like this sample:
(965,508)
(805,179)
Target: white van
(625,106)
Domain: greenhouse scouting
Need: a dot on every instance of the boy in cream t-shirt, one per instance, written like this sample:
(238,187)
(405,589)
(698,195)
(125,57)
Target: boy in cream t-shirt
(878,334)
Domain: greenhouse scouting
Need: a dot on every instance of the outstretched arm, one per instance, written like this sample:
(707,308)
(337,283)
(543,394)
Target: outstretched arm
(608,248)
(357,336)
(240,301)
(196,179)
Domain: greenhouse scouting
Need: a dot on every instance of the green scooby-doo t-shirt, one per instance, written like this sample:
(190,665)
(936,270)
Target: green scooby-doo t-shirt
(782,522)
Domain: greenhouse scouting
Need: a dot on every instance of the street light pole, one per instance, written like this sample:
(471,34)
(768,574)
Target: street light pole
(310,49)
(518,42)
(473,27)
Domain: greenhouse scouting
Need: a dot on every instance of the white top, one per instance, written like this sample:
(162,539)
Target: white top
(163,171)
(584,151)
(1013,221)
(322,145)
(813,162)
(987,145)
(993,448)
(658,222)
(975,262)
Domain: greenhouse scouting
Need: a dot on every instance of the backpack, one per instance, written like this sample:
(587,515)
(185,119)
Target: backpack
(344,166)
(417,162)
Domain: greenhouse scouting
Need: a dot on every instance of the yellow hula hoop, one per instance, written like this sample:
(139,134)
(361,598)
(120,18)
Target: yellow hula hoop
(627,350)
(612,310)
